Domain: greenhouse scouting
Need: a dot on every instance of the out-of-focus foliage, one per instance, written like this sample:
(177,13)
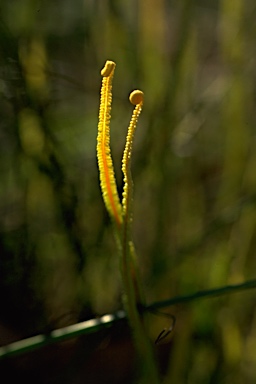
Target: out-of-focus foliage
(193,169)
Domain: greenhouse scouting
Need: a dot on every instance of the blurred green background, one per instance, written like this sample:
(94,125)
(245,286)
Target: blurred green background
(193,168)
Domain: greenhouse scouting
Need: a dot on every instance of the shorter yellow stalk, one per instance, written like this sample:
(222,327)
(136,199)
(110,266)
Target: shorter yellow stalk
(129,258)
(133,297)
(136,98)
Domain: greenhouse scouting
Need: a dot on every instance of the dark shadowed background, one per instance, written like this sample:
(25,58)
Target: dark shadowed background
(193,168)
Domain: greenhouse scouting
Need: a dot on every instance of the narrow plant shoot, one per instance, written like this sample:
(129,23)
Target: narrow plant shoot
(121,215)
(129,262)
(105,163)
(136,98)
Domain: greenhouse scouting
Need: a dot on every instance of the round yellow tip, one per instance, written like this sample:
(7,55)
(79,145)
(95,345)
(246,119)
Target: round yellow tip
(108,68)
(136,97)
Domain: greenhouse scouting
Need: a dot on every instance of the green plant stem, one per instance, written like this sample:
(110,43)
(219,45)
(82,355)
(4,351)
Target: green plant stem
(133,295)
(94,325)
(62,334)
(132,301)
(142,342)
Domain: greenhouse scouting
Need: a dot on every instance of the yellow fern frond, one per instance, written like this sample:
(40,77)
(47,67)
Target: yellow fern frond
(105,163)
(136,98)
